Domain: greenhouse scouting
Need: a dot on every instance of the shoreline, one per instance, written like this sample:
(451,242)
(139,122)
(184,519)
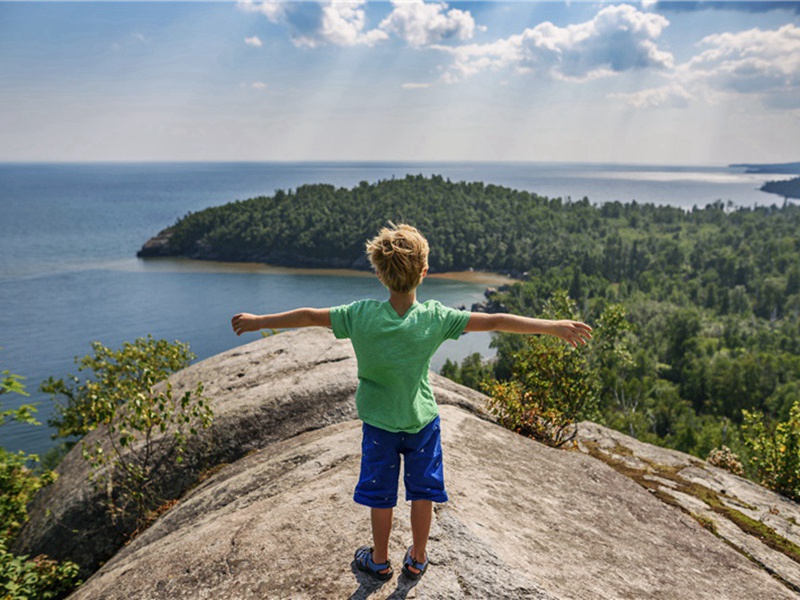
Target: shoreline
(167,264)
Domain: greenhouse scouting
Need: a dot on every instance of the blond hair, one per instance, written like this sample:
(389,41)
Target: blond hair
(399,255)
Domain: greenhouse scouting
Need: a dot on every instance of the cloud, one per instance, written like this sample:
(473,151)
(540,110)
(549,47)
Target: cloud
(254,41)
(618,38)
(753,61)
(419,23)
(343,23)
(314,24)
(416,86)
(273,10)
(763,64)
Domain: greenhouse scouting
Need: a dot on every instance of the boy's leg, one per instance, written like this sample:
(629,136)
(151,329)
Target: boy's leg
(377,486)
(424,479)
(421,516)
(381,529)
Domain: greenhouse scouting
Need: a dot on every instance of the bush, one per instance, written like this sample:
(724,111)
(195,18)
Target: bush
(143,426)
(21,578)
(118,375)
(547,394)
(775,450)
(551,386)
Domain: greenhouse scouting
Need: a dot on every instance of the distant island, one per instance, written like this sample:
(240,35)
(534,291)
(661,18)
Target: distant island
(787,168)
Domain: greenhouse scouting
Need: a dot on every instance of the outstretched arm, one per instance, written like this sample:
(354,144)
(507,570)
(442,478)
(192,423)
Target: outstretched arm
(300,317)
(572,332)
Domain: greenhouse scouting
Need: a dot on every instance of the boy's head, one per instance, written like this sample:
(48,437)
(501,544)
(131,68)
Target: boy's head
(399,255)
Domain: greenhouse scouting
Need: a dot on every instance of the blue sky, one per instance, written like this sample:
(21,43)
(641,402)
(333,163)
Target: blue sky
(645,82)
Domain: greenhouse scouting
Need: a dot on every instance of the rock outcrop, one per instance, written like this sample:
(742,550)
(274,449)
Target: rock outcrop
(157,246)
(524,520)
(262,392)
(760,524)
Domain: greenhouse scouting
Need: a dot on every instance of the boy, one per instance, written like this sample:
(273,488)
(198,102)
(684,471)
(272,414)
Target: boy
(394,342)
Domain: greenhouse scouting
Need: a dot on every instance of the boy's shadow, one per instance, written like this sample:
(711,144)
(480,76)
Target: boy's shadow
(368,585)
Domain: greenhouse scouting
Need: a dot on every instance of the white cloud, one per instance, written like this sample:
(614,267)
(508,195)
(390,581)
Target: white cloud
(254,41)
(753,61)
(315,24)
(762,64)
(342,24)
(273,10)
(259,85)
(420,23)
(619,38)
(416,86)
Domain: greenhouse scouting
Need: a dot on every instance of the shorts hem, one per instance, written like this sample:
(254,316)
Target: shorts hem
(438,498)
(375,503)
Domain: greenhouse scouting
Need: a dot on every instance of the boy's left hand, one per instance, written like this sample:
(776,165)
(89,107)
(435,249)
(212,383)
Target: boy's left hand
(572,332)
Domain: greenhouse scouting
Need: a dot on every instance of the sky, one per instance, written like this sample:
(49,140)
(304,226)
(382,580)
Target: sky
(676,83)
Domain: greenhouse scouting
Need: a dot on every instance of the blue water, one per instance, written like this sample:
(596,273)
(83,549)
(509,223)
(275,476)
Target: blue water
(69,234)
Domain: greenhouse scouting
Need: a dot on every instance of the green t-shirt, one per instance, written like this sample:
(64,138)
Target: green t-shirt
(394,355)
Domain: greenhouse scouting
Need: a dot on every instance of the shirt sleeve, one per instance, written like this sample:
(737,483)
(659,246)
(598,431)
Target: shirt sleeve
(342,320)
(453,322)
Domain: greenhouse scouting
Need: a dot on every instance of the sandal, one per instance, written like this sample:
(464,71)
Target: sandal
(364,563)
(410,562)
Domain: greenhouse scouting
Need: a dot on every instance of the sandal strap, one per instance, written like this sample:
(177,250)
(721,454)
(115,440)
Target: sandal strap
(410,562)
(365,556)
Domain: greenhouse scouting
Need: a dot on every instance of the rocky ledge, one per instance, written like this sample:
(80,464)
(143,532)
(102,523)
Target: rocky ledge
(276,520)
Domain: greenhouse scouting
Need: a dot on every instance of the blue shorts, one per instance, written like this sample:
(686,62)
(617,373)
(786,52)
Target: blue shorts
(380,465)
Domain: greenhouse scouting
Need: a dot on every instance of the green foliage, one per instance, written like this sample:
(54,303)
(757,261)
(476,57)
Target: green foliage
(18,484)
(12,384)
(548,392)
(551,386)
(20,577)
(776,450)
(144,427)
(472,372)
(118,375)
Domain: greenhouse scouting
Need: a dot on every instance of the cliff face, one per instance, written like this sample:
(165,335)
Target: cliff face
(524,520)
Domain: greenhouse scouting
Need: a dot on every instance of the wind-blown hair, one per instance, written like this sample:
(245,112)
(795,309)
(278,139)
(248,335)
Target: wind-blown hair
(399,255)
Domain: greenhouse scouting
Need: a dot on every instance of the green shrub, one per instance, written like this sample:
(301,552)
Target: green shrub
(118,375)
(39,578)
(143,426)
(22,578)
(547,394)
(551,386)
(775,450)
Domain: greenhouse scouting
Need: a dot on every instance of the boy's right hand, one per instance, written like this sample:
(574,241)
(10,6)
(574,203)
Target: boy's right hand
(572,332)
(244,322)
